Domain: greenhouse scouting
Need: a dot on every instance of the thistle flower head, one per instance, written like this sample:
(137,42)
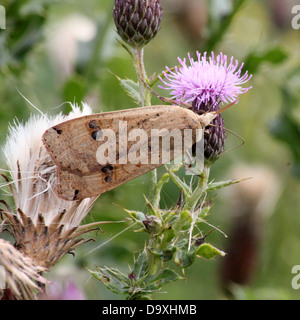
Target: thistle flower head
(137,21)
(206,80)
(205,83)
(20,273)
(51,224)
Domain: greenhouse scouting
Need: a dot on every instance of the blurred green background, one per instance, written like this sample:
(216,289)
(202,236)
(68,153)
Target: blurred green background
(54,51)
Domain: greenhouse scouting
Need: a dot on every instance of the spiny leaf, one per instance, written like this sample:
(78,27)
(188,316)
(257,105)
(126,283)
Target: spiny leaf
(164,254)
(131,88)
(207,251)
(164,277)
(113,279)
(221,184)
(183,258)
(140,265)
(182,185)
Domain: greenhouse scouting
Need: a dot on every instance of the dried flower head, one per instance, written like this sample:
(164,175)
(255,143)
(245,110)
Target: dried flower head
(44,226)
(205,84)
(137,21)
(22,276)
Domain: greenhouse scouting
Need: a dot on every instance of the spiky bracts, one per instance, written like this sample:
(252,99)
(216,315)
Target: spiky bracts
(21,275)
(137,21)
(43,244)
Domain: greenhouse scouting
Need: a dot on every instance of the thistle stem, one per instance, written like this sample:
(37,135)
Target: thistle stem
(153,261)
(138,61)
(145,100)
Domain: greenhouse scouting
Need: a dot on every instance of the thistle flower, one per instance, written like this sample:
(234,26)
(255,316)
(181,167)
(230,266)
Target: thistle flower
(21,274)
(205,84)
(44,226)
(137,21)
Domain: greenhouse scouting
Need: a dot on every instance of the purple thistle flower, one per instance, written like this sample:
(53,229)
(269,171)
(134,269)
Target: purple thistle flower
(205,84)
(206,80)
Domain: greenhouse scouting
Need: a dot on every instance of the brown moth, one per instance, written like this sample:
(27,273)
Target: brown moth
(73,146)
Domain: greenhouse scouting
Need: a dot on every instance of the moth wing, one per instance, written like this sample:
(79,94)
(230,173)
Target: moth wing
(73,145)
(74,187)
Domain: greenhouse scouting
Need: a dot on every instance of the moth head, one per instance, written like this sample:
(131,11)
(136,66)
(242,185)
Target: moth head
(207,118)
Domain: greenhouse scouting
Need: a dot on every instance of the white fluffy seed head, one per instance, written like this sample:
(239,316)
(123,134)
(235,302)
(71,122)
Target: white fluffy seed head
(33,173)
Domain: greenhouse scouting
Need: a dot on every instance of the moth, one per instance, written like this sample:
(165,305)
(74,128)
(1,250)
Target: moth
(74,146)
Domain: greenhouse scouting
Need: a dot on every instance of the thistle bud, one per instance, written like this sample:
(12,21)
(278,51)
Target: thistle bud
(214,135)
(137,21)
(152,224)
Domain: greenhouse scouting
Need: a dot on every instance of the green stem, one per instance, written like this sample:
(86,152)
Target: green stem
(192,201)
(145,100)
(138,61)
(153,261)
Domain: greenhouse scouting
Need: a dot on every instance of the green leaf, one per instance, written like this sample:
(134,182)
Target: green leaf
(140,265)
(164,254)
(221,184)
(154,283)
(163,180)
(131,88)
(183,221)
(207,251)
(182,185)
(168,234)
(113,279)
(183,258)
(137,216)
(274,55)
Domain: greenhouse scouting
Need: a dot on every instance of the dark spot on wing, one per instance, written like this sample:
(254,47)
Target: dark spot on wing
(108,168)
(108,179)
(76,192)
(58,130)
(93,124)
(96,134)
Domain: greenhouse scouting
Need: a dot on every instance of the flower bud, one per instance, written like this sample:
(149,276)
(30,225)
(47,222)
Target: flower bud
(152,224)
(137,21)
(214,135)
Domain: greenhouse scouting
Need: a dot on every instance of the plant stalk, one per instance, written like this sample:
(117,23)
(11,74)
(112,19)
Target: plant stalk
(145,100)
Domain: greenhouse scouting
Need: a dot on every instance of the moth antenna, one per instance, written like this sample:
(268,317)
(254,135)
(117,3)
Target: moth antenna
(230,105)
(235,134)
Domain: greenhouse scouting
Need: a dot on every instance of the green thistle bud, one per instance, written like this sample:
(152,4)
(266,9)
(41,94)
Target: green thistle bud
(152,224)
(137,21)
